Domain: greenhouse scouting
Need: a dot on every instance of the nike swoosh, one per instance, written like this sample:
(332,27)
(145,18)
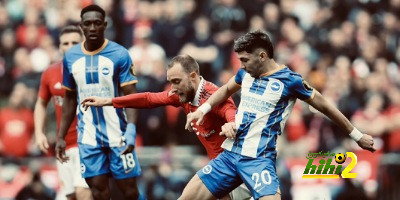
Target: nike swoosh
(260,189)
(129,170)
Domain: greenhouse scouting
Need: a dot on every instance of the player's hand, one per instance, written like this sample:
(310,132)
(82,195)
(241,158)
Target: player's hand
(172,92)
(129,138)
(95,101)
(367,142)
(41,142)
(60,150)
(228,130)
(195,116)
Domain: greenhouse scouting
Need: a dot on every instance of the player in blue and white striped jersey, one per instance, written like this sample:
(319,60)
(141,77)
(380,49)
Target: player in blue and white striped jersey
(106,136)
(268,93)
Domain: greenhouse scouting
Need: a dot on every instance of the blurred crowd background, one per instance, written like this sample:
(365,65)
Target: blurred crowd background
(348,50)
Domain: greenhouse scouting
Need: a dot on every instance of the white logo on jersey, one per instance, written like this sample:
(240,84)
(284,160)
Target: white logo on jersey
(57,86)
(207,169)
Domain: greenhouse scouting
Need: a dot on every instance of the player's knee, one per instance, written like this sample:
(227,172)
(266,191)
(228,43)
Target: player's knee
(71,196)
(131,194)
(98,193)
(83,193)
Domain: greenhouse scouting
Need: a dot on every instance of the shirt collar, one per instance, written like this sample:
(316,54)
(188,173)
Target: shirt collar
(197,97)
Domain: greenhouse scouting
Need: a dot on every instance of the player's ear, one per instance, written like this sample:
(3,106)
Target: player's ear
(192,74)
(105,23)
(262,56)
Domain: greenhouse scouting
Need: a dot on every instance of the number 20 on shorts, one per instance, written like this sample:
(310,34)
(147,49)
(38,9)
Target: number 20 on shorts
(261,178)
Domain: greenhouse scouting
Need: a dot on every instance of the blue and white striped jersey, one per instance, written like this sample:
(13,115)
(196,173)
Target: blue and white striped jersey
(265,105)
(99,73)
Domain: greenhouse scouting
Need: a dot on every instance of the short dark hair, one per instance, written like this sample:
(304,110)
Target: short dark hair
(71,29)
(93,7)
(252,41)
(188,63)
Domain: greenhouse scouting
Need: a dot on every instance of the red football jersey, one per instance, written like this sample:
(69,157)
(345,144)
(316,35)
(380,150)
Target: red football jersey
(209,131)
(51,86)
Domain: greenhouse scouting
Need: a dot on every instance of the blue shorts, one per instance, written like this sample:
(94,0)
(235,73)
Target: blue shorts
(229,170)
(96,161)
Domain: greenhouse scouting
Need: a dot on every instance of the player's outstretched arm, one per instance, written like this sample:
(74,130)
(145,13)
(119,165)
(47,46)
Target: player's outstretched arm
(365,141)
(222,94)
(68,114)
(96,101)
(40,118)
(137,100)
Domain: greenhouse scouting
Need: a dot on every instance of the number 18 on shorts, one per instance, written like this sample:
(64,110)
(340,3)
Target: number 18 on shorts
(104,160)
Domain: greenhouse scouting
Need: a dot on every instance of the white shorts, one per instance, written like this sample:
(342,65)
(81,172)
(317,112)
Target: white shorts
(241,193)
(70,172)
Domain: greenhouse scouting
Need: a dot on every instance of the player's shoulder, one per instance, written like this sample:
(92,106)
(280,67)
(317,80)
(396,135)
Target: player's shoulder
(74,53)
(113,46)
(287,74)
(210,87)
(115,52)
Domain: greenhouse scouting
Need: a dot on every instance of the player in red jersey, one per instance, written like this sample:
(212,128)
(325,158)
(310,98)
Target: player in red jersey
(189,90)
(72,183)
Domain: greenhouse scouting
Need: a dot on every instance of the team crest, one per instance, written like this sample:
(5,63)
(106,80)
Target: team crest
(307,85)
(275,86)
(105,71)
(132,70)
(207,169)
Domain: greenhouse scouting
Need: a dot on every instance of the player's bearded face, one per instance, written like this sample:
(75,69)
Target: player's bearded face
(250,63)
(187,93)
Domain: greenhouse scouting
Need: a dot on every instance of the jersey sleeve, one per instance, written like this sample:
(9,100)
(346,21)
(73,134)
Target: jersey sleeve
(227,110)
(68,78)
(44,90)
(239,76)
(301,89)
(146,100)
(127,73)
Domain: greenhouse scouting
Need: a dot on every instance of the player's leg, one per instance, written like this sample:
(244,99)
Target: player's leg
(71,196)
(196,189)
(241,193)
(64,174)
(99,187)
(82,191)
(95,168)
(215,180)
(259,175)
(125,168)
(128,187)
